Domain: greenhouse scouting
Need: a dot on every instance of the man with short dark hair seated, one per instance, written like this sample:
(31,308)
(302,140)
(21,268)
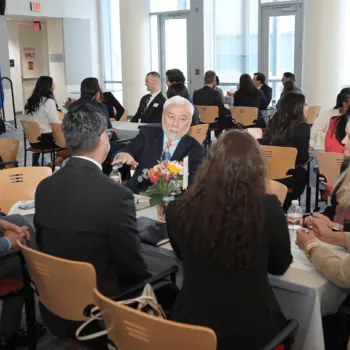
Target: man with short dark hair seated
(151,105)
(259,81)
(83,215)
(150,146)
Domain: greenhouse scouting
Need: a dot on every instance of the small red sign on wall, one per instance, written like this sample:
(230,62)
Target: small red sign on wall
(35,6)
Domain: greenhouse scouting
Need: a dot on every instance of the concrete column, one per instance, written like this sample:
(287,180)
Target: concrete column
(135,50)
(323,51)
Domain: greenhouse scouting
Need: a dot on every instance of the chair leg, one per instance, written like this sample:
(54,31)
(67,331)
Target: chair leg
(308,190)
(317,193)
(53,158)
(25,156)
(42,158)
(29,304)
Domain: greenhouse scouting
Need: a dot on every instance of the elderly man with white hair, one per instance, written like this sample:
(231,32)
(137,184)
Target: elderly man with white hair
(169,142)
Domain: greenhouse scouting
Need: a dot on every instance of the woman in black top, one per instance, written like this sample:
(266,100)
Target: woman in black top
(179,89)
(112,105)
(249,96)
(288,128)
(230,234)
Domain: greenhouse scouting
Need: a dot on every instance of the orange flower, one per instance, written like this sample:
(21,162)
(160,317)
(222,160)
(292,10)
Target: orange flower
(153,176)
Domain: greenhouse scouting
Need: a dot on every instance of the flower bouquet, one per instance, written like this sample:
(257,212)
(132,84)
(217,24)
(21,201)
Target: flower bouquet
(166,180)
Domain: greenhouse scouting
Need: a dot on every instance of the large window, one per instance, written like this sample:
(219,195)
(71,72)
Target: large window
(168,5)
(235,38)
(111,47)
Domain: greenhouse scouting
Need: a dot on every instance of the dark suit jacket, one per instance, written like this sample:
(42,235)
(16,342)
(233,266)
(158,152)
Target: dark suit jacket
(83,215)
(87,99)
(267,91)
(207,96)
(110,102)
(147,149)
(239,306)
(153,114)
(242,100)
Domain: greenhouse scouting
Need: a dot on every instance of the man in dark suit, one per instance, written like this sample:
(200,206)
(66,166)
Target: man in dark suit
(151,105)
(208,96)
(83,215)
(154,142)
(259,81)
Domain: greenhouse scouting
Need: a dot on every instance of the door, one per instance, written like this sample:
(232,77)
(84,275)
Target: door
(174,48)
(281,43)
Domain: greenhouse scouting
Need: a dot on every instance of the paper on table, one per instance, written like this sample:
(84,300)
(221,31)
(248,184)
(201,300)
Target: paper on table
(300,266)
(185,177)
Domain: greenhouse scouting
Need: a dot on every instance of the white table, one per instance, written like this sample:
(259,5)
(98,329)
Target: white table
(127,130)
(304,295)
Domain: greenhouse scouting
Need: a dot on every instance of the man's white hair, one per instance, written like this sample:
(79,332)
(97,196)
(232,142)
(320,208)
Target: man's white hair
(178,100)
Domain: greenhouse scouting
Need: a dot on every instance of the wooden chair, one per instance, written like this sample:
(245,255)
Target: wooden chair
(19,184)
(244,115)
(329,167)
(9,153)
(199,132)
(124,117)
(281,161)
(312,113)
(58,136)
(278,189)
(130,329)
(31,132)
(208,115)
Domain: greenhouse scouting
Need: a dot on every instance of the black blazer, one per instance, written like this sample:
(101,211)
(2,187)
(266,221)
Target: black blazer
(242,100)
(267,91)
(147,148)
(110,102)
(239,306)
(207,96)
(153,113)
(87,99)
(83,215)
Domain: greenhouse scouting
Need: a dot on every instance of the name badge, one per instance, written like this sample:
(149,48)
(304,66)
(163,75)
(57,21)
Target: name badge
(155,105)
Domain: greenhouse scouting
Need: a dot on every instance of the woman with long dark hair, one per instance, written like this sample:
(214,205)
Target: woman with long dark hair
(288,128)
(336,129)
(42,107)
(230,234)
(248,95)
(288,86)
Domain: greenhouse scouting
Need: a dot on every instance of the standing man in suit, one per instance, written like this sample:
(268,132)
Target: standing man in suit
(92,218)
(259,81)
(151,105)
(167,142)
(208,96)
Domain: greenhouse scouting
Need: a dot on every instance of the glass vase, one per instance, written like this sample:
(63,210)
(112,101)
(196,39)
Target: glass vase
(161,207)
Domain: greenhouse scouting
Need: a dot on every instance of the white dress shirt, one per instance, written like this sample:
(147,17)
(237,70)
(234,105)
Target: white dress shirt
(90,160)
(46,114)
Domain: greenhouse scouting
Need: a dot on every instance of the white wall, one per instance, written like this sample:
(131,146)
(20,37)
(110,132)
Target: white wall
(87,9)
(14,51)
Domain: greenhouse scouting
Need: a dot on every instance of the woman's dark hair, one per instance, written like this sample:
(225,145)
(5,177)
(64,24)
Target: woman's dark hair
(89,87)
(343,96)
(221,214)
(42,89)
(289,86)
(287,118)
(217,81)
(178,89)
(246,85)
(175,76)
(340,126)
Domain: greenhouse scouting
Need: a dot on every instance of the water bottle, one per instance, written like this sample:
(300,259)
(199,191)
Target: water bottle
(115,174)
(295,219)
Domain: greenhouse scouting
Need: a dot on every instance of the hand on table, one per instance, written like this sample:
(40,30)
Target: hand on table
(125,158)
(321,226)
(14,236)
(304,236)
(8,226)
(310,219)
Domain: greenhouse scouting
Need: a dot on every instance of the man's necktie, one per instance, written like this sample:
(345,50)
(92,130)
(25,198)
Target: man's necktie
(146,103)
(166,153)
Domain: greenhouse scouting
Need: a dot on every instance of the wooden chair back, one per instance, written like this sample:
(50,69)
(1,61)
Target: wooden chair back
(199,132)
(130,329)
(329,165)
(19,184)
(124,117)
(244,115)
(31,130)
(58,136)
(312,113)
(9,151)
(208,114)
(278,189)
(280,161)
(65,287)
(60,116)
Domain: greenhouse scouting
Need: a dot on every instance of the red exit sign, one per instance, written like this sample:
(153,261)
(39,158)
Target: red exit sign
(35,6)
